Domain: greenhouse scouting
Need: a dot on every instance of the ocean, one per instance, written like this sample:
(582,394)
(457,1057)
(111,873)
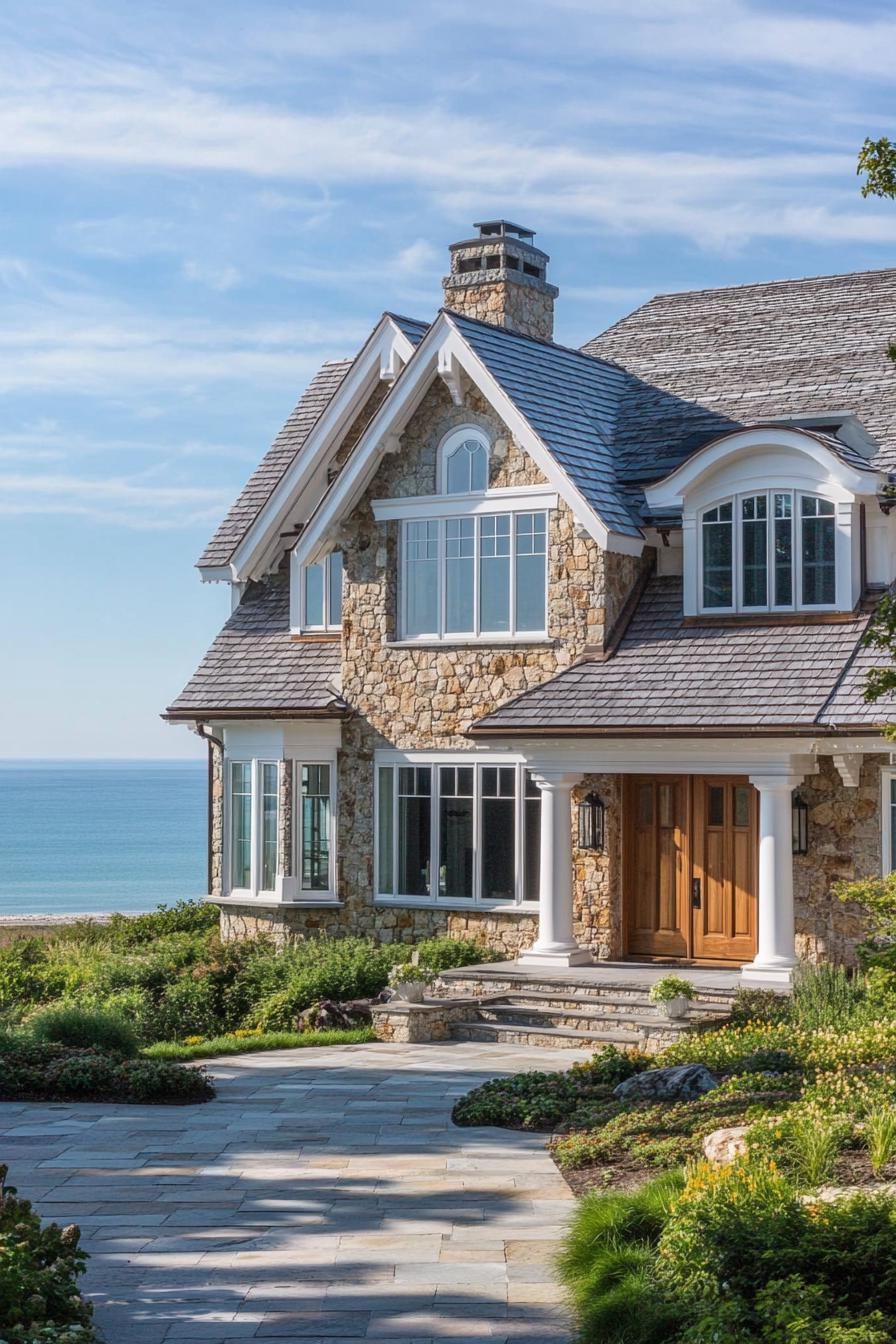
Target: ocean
(98,836)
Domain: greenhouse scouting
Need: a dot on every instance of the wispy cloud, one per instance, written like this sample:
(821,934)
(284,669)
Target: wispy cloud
(113,500)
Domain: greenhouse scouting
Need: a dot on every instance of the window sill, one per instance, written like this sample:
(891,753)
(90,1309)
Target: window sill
(472,642)
(275,902)
(433,903)
(818,616)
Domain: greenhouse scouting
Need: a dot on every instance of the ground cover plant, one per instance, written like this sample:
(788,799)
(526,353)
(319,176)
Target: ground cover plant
(168,977)
(39,1269)
(242,1042)
(43,1071)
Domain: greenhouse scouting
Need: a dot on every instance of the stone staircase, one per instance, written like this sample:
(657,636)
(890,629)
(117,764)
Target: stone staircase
(572,1010)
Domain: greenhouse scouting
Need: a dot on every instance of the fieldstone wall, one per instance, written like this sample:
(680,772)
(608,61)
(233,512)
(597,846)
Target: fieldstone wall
(527,309)
(597,877)
(844,844)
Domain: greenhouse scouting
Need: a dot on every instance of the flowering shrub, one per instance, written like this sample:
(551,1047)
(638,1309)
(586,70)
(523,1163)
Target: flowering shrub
(39,1266)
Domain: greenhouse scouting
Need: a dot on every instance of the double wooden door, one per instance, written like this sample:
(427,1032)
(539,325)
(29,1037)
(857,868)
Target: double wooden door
(690,867)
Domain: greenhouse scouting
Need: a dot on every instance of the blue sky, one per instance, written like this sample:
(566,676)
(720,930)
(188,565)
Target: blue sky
(202,201)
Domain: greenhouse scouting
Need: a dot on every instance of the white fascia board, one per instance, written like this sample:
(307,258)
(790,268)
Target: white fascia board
(442,344)
(669,493)
(504,500)
(376,360)
(215,573)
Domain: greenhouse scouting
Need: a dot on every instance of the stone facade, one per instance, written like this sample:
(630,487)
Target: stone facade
(844,844)
(502,280)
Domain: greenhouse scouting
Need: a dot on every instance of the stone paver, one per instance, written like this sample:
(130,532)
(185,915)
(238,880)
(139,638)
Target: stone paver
(325,1195)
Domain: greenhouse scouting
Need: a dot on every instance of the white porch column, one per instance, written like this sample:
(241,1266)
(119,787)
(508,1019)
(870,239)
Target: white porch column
(555,945)
(775,949)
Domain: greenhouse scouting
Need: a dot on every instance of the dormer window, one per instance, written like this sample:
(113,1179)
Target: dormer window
(322,594)
(770,551)
(464,462)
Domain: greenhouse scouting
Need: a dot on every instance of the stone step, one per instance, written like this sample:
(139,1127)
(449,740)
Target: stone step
(589,1019)
(618,992)
(507,1033)
(604,1004)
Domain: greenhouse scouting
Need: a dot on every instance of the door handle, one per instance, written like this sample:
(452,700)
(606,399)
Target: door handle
(695,893)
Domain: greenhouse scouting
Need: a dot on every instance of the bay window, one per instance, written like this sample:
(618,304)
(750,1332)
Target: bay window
(314,841)
(475,576)
(322,594)
(457,832)
(253,809)
(769,551)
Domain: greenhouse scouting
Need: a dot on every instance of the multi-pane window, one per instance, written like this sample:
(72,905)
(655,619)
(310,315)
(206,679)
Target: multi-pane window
(241,824)
(888,804)
(323,594)
(253,812)
(466,467)
(774,550)
(315,816)
(475,826)
(475,575)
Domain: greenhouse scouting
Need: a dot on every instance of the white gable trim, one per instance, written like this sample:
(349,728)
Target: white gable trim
(443,347)
(670,492)
(386,351)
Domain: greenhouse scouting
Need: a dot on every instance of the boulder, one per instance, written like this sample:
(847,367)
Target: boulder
(724,1145)
(682,1082)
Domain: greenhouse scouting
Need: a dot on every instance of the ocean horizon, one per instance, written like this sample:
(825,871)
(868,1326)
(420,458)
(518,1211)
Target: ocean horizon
(96,836)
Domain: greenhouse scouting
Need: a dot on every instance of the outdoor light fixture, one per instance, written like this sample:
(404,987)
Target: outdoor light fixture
(591,822)
(800,825)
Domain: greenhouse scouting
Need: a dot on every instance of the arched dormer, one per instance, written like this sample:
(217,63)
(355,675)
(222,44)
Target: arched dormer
(463,461)
(770,523)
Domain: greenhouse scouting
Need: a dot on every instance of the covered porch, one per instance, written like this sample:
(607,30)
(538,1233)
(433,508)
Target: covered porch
(707,836)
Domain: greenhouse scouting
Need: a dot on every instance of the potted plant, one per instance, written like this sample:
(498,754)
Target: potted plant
(672,996)
(407,980)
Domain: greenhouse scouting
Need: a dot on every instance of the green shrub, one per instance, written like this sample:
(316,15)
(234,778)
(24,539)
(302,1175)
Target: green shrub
(759,1005)
(343,968)
(445,954)
(608,1265)
(37,1072)
(523,1101)
(39,1268)
(827,996)
(246,1042)
(26,976)
(188,1007)
(67,1024)
(192,917)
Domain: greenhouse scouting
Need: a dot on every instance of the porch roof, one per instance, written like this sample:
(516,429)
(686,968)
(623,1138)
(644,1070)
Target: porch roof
(256,669)
(671,675)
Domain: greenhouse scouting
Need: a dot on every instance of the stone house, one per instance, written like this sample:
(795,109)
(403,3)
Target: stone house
(562,649)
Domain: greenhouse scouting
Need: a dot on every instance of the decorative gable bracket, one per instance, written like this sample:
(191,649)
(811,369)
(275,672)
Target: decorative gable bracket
(450,373)
(849,767)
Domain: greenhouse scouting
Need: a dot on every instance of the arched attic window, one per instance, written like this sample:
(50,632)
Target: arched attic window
(464,456)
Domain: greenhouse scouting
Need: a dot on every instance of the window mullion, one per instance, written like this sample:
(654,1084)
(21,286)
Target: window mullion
(442,573)
(511,624)
(477,618)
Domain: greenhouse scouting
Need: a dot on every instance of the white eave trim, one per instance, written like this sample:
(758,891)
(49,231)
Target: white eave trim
(670,492)
(503,500)
(442,347)
(385,353)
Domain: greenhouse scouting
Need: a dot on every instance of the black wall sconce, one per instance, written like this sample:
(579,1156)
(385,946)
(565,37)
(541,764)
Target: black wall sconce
(592,822)
(800,825)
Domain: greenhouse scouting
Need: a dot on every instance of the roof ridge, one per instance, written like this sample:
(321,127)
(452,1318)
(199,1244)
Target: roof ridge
(405,317)
(759,284)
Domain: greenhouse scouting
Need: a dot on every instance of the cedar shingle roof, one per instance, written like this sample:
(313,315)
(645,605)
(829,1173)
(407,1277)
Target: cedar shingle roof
(282,453)
(256,669)
(715,359)
(667,675)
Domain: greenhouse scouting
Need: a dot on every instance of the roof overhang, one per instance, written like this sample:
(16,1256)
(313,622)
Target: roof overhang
(670,492)
(444,353)
(382,357)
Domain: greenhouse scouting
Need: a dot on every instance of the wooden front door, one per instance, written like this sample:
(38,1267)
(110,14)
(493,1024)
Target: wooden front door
(690,865)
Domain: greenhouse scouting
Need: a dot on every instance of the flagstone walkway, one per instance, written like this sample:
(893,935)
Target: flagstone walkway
(325,1195)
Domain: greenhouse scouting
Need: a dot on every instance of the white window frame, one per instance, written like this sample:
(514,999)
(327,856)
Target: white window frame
(256,831)
(394,760)
(887,818)
(303,894)
(449,446)
(736,502)
(477,633)
(326,564)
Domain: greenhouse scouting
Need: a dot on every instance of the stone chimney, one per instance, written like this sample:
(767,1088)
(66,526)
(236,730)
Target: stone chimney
(501,277)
